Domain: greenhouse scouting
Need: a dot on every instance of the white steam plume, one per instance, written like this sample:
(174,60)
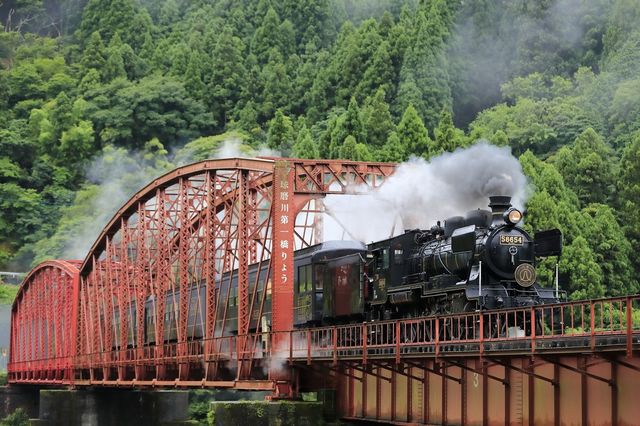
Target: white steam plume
(234,147)
(117,174)
(420,193)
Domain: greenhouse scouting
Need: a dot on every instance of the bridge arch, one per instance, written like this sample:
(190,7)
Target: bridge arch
(167,258)
(43,323)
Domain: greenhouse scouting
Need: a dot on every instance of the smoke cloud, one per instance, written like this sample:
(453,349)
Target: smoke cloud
(116,175)
(420,193)
(232,148)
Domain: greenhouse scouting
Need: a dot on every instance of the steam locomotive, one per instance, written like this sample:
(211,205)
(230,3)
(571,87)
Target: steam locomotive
(483,260)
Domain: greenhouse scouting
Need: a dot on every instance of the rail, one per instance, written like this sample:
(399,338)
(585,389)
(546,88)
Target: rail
(592,325)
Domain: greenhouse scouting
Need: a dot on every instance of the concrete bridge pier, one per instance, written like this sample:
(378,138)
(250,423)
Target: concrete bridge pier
(98,407)
(14,397)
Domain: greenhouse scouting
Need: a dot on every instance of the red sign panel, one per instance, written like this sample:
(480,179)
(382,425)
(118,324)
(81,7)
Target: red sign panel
(283,247)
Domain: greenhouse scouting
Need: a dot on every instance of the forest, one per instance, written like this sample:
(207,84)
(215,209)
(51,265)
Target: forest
(97,97)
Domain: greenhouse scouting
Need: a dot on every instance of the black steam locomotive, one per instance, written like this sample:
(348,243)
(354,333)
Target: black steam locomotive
(483,260)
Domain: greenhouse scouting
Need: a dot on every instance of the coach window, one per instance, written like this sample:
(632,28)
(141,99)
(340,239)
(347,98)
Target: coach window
(300,280)
(260,289)
(233,297)
(304,279)
(309,278)
(319,272)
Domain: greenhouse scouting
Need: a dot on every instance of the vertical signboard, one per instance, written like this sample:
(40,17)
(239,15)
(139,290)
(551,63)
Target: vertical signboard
(283,248)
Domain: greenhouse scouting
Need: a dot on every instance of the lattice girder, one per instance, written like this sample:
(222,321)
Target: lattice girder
(171,270)
(43,323)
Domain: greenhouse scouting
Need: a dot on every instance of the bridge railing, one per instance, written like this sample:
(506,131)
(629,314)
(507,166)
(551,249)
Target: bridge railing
(584,325)
(591,323)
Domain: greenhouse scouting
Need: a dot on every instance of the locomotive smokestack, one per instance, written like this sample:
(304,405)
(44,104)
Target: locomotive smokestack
(499,204)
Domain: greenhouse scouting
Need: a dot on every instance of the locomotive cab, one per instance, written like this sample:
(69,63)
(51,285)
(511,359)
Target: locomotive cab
(387,272)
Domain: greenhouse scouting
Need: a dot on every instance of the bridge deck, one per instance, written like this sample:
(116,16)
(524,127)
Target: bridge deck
(607,325)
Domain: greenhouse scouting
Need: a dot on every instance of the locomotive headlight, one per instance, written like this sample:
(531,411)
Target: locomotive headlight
(513,216)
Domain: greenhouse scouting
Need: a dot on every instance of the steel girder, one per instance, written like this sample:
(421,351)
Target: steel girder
(44,324)
(202,225)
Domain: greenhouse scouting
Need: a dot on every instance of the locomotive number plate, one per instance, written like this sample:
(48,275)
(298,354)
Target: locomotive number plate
(511,240)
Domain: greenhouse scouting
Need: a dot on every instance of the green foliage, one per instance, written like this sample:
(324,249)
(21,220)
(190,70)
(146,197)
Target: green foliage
(412,134)
(199,403)
(448,138)
(629,190)
(20,213)
(281,133)
(18,418)
(424,78)
(226,77)
(611,249)
(93,56)
(7,294)
(127,114)
(376,119)
(348,148)
(305,147)
(206,147)
(347,124)
(393,150)
(379,75)
(587,167)
(585,275)
(108,83)
(536,86)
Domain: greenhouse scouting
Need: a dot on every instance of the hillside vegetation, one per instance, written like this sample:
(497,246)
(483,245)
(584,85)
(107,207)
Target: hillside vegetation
(99,96)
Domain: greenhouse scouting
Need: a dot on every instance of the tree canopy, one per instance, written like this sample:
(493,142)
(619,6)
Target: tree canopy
(146,86)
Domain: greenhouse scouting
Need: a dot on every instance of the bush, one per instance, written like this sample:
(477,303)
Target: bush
(7,293)
(17,418)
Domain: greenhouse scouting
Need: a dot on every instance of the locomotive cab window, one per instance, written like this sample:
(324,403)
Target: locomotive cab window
(382,258)
(398,256)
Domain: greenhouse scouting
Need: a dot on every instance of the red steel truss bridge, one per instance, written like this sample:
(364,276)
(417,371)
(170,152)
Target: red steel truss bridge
(74,323)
